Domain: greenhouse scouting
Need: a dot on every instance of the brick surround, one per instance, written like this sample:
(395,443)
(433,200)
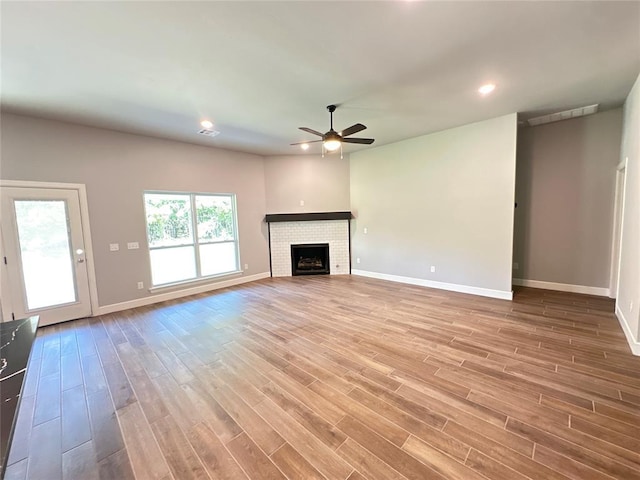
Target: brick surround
(333,232)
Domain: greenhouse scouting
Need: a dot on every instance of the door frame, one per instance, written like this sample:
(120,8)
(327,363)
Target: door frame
(618,215)
(86,233)
(6,305)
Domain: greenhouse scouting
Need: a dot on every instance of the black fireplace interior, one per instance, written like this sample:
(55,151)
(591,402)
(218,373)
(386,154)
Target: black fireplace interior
(310,259)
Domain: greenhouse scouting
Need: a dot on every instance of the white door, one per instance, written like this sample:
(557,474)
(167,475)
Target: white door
(45,254)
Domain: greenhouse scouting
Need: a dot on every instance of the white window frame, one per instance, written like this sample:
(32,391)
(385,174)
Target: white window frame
(195,242)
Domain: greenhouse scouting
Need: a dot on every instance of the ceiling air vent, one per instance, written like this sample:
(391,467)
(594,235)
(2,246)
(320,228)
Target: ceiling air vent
(566,115)
(208,133)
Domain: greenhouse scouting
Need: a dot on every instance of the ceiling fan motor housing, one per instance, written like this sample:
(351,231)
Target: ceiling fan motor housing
(332,135)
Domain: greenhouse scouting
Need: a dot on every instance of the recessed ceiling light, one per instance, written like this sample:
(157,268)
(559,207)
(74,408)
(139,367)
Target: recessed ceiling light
(487,89)
(206,124)
(304,146)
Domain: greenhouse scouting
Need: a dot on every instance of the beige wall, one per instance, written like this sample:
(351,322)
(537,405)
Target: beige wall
(321,183)
(444,199)
(565,186)
(628,301)
(116,168)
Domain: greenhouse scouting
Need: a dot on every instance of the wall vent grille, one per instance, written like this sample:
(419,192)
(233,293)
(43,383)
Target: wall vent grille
(209,133)
(565,115)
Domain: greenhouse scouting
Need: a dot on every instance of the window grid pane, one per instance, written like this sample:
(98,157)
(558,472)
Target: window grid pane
(215,218)
(217,258)
(168,219)
(169,265)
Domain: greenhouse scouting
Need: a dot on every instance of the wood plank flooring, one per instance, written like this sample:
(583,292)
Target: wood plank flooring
(335,377)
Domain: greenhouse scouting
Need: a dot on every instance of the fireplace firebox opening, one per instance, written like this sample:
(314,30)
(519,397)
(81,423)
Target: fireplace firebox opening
(310,259)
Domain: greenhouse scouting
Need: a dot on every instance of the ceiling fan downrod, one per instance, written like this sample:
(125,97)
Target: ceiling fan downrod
(331,108)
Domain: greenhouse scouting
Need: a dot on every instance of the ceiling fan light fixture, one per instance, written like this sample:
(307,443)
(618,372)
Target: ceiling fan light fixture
(332,145)
(332,141)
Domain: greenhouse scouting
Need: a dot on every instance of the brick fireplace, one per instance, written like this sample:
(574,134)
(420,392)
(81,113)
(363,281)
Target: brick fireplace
(300,230)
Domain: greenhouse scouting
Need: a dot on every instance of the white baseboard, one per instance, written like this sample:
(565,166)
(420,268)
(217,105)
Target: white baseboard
(454,287)
(633,343)
(141,302)
(562,287)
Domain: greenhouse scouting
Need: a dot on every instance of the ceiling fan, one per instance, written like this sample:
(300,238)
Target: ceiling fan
(332,140)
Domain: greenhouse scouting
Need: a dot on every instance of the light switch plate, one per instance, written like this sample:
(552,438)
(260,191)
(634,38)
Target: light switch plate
(133,245)
(114,247)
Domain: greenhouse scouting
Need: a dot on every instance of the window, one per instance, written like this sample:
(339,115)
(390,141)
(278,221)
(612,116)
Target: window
(190,235)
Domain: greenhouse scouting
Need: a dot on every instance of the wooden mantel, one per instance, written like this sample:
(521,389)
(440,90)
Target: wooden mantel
(307,217)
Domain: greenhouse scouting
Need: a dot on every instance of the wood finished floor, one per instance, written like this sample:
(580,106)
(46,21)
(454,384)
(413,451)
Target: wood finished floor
(335,377)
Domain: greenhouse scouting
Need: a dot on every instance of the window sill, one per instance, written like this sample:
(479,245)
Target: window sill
(195,281)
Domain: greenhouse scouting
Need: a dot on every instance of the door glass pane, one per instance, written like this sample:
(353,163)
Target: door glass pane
(168,219)
(215,218)
(218,258)
(170,265)
(47,262)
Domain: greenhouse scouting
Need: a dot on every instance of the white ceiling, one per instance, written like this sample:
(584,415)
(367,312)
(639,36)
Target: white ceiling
(260,70)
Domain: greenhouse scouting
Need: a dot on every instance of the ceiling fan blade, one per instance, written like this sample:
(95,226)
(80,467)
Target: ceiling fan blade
(358,127)
(302,143)
(310,130)
(366,141)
